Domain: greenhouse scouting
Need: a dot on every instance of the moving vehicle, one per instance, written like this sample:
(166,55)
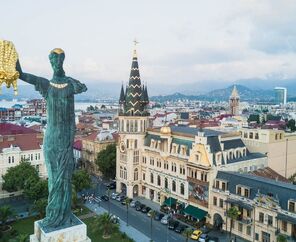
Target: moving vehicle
(105,198)
(165,219)
(196,234)
(158,216)
(173,224)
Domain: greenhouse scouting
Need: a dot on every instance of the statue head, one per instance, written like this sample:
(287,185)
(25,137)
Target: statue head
(57,57)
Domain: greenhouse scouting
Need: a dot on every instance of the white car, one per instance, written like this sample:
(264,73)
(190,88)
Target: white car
(165,219)
(114,195)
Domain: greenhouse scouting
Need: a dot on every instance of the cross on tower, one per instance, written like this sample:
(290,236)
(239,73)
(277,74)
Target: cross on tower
(136,42)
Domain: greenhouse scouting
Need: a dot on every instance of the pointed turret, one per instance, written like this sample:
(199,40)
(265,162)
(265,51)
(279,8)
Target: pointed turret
(135,99)
(234,93)
(122,96)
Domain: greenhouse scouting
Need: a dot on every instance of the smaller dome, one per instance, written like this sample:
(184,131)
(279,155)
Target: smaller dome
(165,130)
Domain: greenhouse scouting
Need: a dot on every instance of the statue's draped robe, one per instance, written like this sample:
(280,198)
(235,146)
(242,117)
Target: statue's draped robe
(58,146)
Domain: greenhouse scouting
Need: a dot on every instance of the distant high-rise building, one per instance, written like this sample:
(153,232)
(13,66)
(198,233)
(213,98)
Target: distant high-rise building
(234,102)
(280,95)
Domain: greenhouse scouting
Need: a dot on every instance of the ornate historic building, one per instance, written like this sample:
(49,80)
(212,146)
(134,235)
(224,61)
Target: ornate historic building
(133,121)
(234,102)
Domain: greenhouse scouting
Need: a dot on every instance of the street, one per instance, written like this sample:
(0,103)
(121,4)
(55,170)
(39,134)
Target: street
(139,220)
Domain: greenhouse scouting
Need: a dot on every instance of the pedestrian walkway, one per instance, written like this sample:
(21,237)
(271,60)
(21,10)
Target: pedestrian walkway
(129,230)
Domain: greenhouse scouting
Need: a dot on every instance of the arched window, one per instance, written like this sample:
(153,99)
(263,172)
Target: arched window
(121,172)
(136,174)
(182,189)
(174,186)
(9,159)
(158,181)
(166,184)
(151,178)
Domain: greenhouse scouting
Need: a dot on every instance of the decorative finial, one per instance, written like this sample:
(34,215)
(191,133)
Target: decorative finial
(135,51)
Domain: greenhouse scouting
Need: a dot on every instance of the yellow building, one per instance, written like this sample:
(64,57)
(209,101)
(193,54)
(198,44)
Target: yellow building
(276,144)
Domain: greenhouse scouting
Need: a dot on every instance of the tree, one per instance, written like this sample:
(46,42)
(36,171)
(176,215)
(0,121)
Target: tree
(233,214)
(254,118)
(106,161)
(16,177)
(5,213)
(127,203)
(293,178)
(40,206)
(105,224)
(281,238)
(81,180)
(187,233)
(152,216)
(291,125)
(36,189)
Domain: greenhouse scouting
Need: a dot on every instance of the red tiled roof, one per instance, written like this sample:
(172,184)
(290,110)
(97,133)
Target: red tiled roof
(92,136)
(78,145)
(267,172)
(28,141)
(11,129)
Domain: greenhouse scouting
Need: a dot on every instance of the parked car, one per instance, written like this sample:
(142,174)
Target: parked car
(180,228)
(203,238)
(213,239)
(150,212)
(105,198)
(111,185)
(114,195)
(134,203)
(120,198)
(196,234)
(158,216)
(146,209)
(165,219)
(173,224)
(140,207)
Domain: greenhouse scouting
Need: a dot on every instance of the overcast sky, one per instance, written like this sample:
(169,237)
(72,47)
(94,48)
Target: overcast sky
(180,41)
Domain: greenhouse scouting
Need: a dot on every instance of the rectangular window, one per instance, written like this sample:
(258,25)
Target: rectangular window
(246,192)
(144,176)
(248,230)
(261,217)
(215,201)
(284,226)
(291,207)
(239,191)
(223,186)
(217,184)
(240,227)
(269,220)
(221,203)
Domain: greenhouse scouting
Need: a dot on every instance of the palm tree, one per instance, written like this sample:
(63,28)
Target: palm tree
(5,213)
(104,223)
(127,203)
(233,214)
(281,238)
(40,206)
(187,232)
(152,216)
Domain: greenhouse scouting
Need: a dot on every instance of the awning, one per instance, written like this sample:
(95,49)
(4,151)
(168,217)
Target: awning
(195,212)
(170,201)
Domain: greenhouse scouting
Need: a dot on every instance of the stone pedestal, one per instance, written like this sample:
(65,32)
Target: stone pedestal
(75,233)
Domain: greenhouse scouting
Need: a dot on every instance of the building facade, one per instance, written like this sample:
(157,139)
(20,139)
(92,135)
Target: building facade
(276,144)
(234,102)
(19,144)
(266,208)
(280,95)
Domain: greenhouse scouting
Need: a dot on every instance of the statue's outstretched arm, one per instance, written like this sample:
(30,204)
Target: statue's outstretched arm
(26,77)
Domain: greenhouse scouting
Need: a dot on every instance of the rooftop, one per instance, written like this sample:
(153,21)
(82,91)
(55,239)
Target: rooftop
(11,129)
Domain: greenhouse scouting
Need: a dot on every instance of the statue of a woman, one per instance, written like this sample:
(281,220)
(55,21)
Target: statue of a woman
(59,137)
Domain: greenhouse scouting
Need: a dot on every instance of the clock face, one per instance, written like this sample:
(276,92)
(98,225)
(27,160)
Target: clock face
(122,147)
